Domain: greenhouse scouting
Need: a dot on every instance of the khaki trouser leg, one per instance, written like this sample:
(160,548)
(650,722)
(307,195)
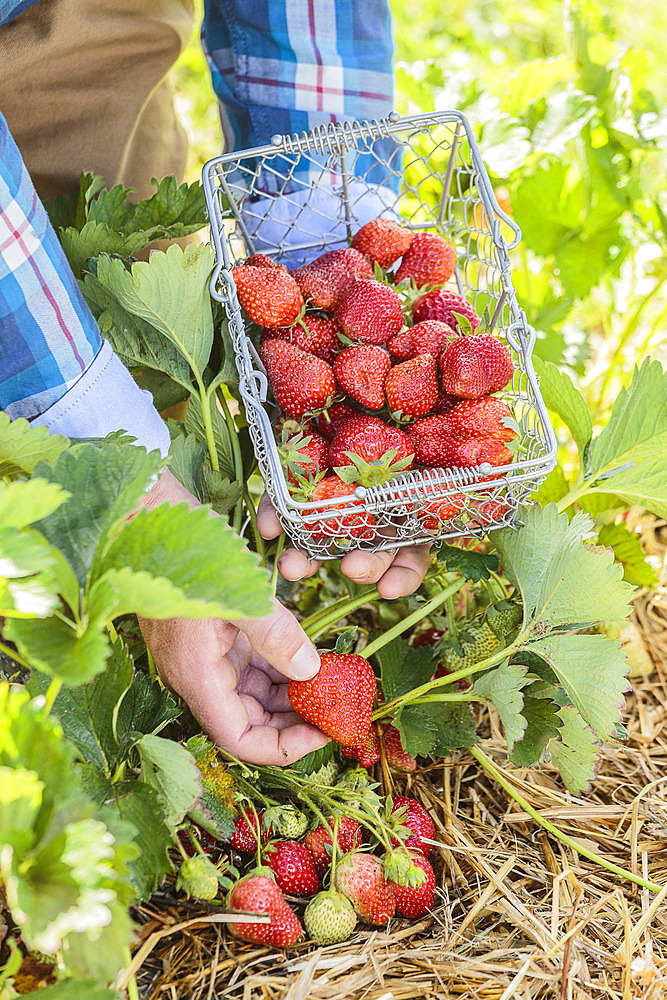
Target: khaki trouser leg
(83,87)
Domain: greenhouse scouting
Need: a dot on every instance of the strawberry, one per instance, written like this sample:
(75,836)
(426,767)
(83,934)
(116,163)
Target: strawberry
(435,513)
(270,296)
(430,260)
(367,451)
(320,336)
(328,421)
(444,403)
(369,311)
(368,752)
(198,878)
(360,372)
(414,901)
(260,894)
(503,617)
(442,305)
(477,642)
(325,775)
(329,917)
(262,260)
(428,636)
(361,878)
(339,698)
(418,820)
(492,510)
(475,366)
(355,525)
(293,867)
(428,337)
(300,381)
(477,451)
(286,821)
(399,758)
(304,456)
(383,241)
(481,418)
(244,838)
(411,387)
(323,280)
(439,445)
(317,841)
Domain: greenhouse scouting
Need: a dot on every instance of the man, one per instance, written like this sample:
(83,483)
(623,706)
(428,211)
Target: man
(83,86)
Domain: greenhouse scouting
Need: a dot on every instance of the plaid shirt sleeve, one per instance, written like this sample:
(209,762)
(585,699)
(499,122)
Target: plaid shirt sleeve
(48,336)
(293,66)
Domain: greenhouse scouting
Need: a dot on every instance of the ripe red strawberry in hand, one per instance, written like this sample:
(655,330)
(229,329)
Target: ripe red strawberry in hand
(301,382)
(270,296)
(260,894)
(339,698)
(369,311)
(353,525)
(304,455)
(439,445)
(244,838)
(483,417)
(414,901)
(442,305)
(430,260)
(372,441)
(330,419)
(383,241)
(323,280)
(360,877)
(428,337)
(366,753)
(316,841)
(361,371)
(293,866)
(411,387)
(417,820)
(475,366)
(319,338)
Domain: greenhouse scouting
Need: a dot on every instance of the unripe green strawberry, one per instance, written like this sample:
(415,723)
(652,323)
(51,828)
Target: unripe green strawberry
(198,878)
(285,820)
(325,775)
(478,642)
(329,917)
(504,617)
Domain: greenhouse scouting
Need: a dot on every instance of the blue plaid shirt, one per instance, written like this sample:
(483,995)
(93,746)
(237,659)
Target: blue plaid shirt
(276,67)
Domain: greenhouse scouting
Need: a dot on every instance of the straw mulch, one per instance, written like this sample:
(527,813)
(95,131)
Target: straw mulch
(519,914)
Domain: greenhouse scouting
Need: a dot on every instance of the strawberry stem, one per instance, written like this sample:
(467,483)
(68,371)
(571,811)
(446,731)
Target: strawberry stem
(317,623)
(423,612)
(205,406)
(498,775)
(236,455)
(274,572)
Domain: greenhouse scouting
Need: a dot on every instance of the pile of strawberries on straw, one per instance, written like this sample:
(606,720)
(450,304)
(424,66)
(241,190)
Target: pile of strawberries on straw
(377,367)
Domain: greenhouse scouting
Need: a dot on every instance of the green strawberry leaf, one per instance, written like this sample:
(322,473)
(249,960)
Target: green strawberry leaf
(171,770)
(58,649)
(542,724)
(474,566)
(23,445)
(145,707)
(562,398)
(98,237)
(316,759)
(178,208)
(553,489)
(402,667)
(24,502)
(73,989)
(418,732)
(455,726)
(627,548)
(503,688)
(576,752)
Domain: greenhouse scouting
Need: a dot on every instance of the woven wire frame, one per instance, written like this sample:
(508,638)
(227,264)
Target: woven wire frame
(428,171)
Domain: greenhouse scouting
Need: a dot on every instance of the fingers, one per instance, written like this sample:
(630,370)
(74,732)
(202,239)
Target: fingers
(268,524)
(406,572)
(280,640)
(266,745)
(366,567)
(295,565)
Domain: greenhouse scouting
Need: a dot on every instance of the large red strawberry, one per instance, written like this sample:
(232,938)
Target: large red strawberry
(369,451)
(443,305)
(319,841)
(383,241)
(262,260)
(358,524)
(304,455)
(368,752)
(399,758)
(320,336)
(475,366)
(411,387)
(301,382)
(430,260)
(428,337)
(416,819)
(369,311)
(329,420)
(479,451)
(439,445)
(323,280)
(361,371)
(414,901)
(293,866)
(360,877)
(270,296)
(246,827)
(339,698)
(260,894)
(485,417)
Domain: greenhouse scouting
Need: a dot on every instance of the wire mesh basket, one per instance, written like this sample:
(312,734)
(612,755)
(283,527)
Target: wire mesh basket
(301,195)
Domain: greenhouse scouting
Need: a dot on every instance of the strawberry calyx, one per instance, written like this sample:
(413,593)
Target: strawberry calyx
(368,474)
(401,869)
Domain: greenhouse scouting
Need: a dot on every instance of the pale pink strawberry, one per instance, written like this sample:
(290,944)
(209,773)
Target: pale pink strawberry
(320,336)
(428,337)
(430,260)
(475,366)
(443,305)
(411,387)
(369,311)
(360,877)
(270,296)
(383,241)
(361,372)
(301,382)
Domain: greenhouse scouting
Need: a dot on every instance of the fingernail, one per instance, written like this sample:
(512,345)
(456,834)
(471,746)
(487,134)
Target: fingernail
(305,663)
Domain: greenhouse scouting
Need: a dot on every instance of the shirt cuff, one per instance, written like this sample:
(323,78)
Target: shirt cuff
(106,398)
(310,216)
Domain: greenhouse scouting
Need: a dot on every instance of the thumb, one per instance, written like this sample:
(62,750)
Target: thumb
(281,641)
